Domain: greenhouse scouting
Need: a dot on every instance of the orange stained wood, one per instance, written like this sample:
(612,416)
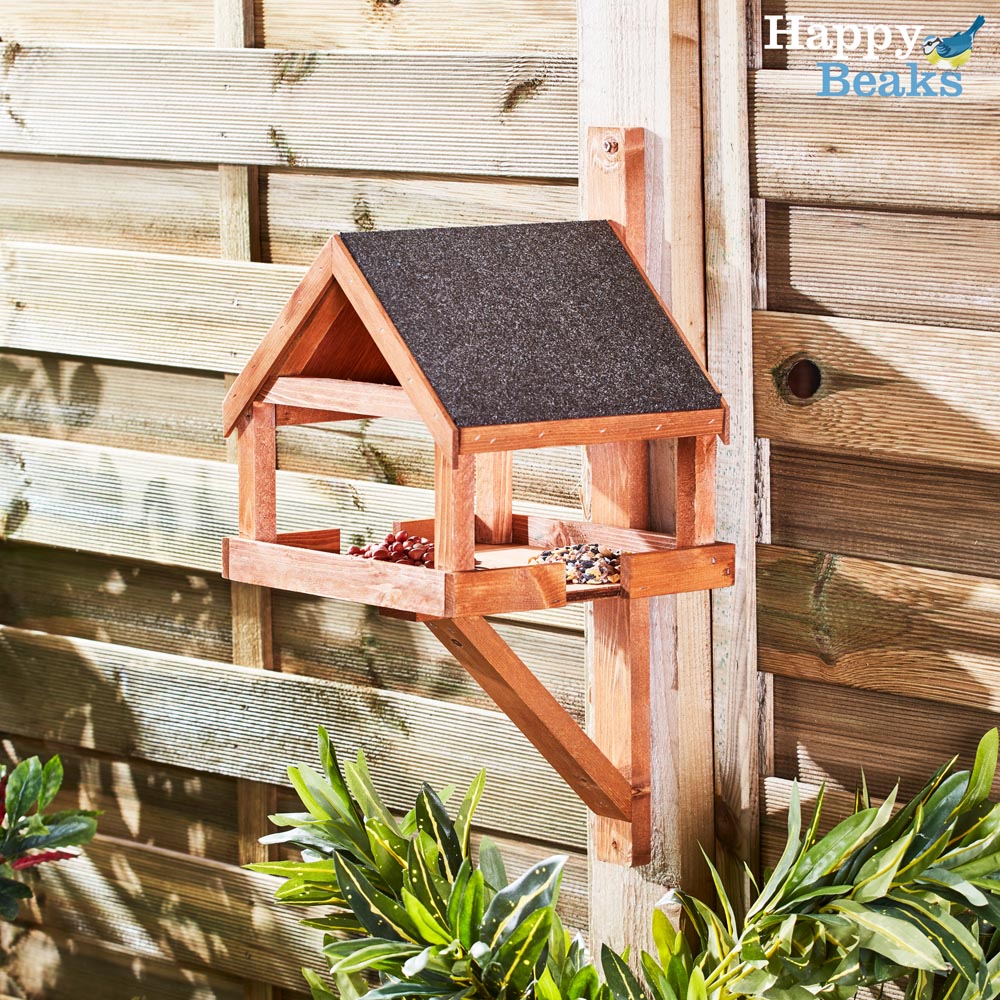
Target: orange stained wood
(536,712)
(392,346)
(454,511)
(366,399)
(695,517)
(681,571)
(256,463)
(494,496)
(323,539)
(291,332)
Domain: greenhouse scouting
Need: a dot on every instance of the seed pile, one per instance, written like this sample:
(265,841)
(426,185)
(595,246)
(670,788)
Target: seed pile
(400,547)
(585,563)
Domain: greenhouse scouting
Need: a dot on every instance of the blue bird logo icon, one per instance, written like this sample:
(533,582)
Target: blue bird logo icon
(955,50)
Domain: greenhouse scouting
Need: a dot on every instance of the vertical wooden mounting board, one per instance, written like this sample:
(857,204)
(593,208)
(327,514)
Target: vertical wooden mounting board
(729,302)
(239,239)
(494,497)
(454,510)
(639,66)
(618,490)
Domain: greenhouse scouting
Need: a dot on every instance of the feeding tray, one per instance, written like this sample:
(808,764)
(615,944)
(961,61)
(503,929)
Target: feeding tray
(499,338)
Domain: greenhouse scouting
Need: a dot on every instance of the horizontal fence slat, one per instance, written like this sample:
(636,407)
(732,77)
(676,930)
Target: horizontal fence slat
(915,514)
(879,627)
(170,907)
(177,22)
(889,266)
(824,733)
(475,25)
(242,723)
(172,610)
(933,17)
(42,964)
(468,113)
(303,208)
(874,150)
(887,389)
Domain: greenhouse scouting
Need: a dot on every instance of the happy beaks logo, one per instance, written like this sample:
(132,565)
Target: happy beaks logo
(947,56)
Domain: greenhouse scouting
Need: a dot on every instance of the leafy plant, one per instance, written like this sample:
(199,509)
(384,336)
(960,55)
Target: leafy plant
(28,835)
(886,895)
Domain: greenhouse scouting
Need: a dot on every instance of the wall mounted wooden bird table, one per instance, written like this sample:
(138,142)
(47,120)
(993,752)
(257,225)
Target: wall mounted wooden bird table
(499,338)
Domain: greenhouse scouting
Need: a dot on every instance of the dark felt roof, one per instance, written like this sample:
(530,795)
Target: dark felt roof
(525,323)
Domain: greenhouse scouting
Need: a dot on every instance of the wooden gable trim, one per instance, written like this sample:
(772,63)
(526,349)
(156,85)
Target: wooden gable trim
(390,342)
(340,396)
(294,336)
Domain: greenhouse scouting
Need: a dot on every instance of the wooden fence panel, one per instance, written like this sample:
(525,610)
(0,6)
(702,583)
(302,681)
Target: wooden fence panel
(439,112)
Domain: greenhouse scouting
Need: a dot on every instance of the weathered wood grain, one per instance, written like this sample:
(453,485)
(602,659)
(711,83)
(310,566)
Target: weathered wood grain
(177,22)
(169,907)
(886,390)
(879,626)
(872,151)
(920,515)
(939,17)
(173,808)
(304,207)
(827,733)
(181,312)
(246,723)
(942,270)
(479,25)
(154,207)
(484,114)
(41,964)
(172,610)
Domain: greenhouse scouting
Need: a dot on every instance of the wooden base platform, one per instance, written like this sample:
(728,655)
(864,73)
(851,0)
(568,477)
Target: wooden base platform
(504,579)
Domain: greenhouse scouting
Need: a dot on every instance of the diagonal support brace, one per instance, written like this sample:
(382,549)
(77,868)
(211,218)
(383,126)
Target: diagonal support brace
(603,788)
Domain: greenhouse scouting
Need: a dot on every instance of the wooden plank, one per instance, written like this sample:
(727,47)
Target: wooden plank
(695,514)
(940,17)
(125,206)
(864,152)
(346,578)
(454,511)
(177,22)
(322,539)
(257,447)
(924,516)
(45,965)
(888,266)
(173,610)
(495,497)
(726,53)
(152,309)
(817,736)
(510,26)
(549,727)
(681,571)
(591,430)
(231,924)
(516,588)
(880,627)
(247,723)
(546,533)
(304,207)
(516,113)
(359,398)
(149,804)
(886,389)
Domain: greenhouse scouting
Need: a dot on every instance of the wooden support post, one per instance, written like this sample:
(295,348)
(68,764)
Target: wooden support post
(494,497)
(454,511)
(695,512)
(536,712)
(257,457)
(618,483)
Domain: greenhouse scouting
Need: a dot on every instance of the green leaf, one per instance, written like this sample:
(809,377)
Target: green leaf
(363,789)
(469,914)
(721,896)
(545,987)
(24,786)
(983,771)
(429,928)
(656,979)
(793,846)
(952,939)
(72,831)
(433,820)
(491,864)
(584,984)
(389,852)
(535,889)
(878,872)
(11,893)
(373,954)
(463,825)
(664,936)
(380,915)
(833,850)
(896,939)
(513,965)
(422,878)
(316,986)
(52,779)
(619,977)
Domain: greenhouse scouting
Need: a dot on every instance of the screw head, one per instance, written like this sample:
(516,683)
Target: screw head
(610,146)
